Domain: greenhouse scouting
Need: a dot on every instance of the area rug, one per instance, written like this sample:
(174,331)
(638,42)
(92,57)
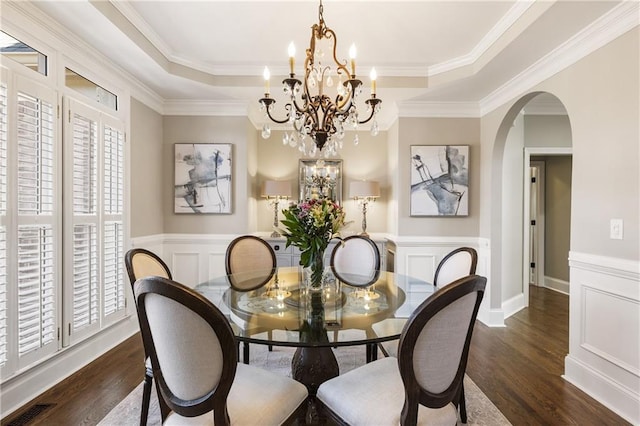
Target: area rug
(480,410)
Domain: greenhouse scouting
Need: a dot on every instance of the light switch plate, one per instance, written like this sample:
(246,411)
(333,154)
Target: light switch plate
(616,230)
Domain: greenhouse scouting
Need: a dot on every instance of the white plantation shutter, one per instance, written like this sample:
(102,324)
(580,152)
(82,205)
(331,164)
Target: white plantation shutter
(81,173)
(36,288)
(86,292)
(113,266)
(95,178)
(57,288)
(113,170)
(114,295)
(36,238)
(3,227)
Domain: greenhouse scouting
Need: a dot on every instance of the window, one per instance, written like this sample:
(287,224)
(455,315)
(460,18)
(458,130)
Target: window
(34,300)
(22,53)
(95,155)
(62,276)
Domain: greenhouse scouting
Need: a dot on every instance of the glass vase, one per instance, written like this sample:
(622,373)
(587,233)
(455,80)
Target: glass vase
(315,272)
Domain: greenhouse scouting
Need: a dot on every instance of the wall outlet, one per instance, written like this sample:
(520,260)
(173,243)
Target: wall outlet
(616,229)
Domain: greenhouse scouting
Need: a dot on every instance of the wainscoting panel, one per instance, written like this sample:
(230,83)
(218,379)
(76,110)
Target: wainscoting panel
(418,257)
(185,267)
(604,331)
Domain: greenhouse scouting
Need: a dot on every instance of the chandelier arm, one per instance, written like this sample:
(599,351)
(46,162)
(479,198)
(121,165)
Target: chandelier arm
(340,67)
(374,102)
(268,102)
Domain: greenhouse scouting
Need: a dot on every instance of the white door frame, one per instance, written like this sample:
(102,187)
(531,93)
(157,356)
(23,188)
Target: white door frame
(528,152)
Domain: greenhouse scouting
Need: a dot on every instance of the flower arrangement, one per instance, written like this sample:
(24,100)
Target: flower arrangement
(310,225)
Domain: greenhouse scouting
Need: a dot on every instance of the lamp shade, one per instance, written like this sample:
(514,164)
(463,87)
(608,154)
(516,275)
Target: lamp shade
(362,189)
(276,188)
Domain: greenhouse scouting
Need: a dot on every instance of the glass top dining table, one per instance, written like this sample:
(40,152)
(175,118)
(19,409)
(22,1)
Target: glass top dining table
(284,312)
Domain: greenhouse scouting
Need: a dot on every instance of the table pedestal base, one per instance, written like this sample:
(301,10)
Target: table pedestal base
(313,366)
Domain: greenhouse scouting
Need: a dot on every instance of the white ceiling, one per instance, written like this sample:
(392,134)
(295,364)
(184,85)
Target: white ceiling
(424,51)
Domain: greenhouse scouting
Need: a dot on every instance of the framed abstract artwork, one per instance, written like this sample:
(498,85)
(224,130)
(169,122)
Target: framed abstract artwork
(203,178)
(439,180)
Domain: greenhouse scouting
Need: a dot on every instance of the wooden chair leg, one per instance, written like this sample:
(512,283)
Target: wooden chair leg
(146,397)
(463,406)
(245,352)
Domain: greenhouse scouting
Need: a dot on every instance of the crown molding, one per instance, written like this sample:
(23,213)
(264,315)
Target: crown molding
(607,28)
(498,30)
(228,108)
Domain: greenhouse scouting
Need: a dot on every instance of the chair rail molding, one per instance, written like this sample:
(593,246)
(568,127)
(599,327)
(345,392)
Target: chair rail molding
(604,331)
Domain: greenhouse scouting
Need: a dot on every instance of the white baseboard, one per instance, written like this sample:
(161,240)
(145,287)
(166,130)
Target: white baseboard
(491,317)
(560,286)
(18,391)
(622,401)
(513,305)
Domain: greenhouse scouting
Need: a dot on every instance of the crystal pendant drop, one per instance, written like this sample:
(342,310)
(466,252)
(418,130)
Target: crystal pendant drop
(329,81)
(374,128)
(266,131)
(293,141)
(356,140)
(314,151)
(312,81)
(285,139)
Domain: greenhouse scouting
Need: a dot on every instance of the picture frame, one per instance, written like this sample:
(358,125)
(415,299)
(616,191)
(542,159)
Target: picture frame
(320,179)
(439,182)
(203,179)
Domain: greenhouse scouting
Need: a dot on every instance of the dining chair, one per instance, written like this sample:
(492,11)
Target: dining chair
(424,385)
(356,261)
(250,263)
(195,364)
(253,259)
(142,263)
(456,264)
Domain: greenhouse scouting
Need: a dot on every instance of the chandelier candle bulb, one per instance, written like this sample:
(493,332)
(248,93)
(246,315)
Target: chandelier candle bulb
(292,60)
(373,77)
(352,55)
(267,75)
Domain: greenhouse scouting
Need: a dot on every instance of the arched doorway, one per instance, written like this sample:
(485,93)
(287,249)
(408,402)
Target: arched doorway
(536,126)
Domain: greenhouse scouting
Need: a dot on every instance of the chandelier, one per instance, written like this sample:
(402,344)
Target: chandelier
(312,112)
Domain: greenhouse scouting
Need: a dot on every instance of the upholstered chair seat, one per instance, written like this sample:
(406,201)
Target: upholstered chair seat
(257,397)
(376,397)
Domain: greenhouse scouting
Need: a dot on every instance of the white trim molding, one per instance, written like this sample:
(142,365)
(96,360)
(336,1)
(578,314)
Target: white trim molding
(604,331)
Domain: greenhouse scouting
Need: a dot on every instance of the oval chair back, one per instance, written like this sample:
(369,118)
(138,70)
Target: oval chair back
(455,265)
(434,346)
(356,261)
(250,263)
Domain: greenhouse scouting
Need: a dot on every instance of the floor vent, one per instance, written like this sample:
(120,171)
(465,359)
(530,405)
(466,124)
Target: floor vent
(33,412)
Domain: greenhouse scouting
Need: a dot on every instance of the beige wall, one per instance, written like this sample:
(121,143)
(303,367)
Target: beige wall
(147,171)
(366,161)
(201,129)
(547,131)
(600,93)
(437,131)
(557,216)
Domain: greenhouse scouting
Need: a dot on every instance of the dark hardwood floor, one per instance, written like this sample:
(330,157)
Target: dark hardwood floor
(518,367)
